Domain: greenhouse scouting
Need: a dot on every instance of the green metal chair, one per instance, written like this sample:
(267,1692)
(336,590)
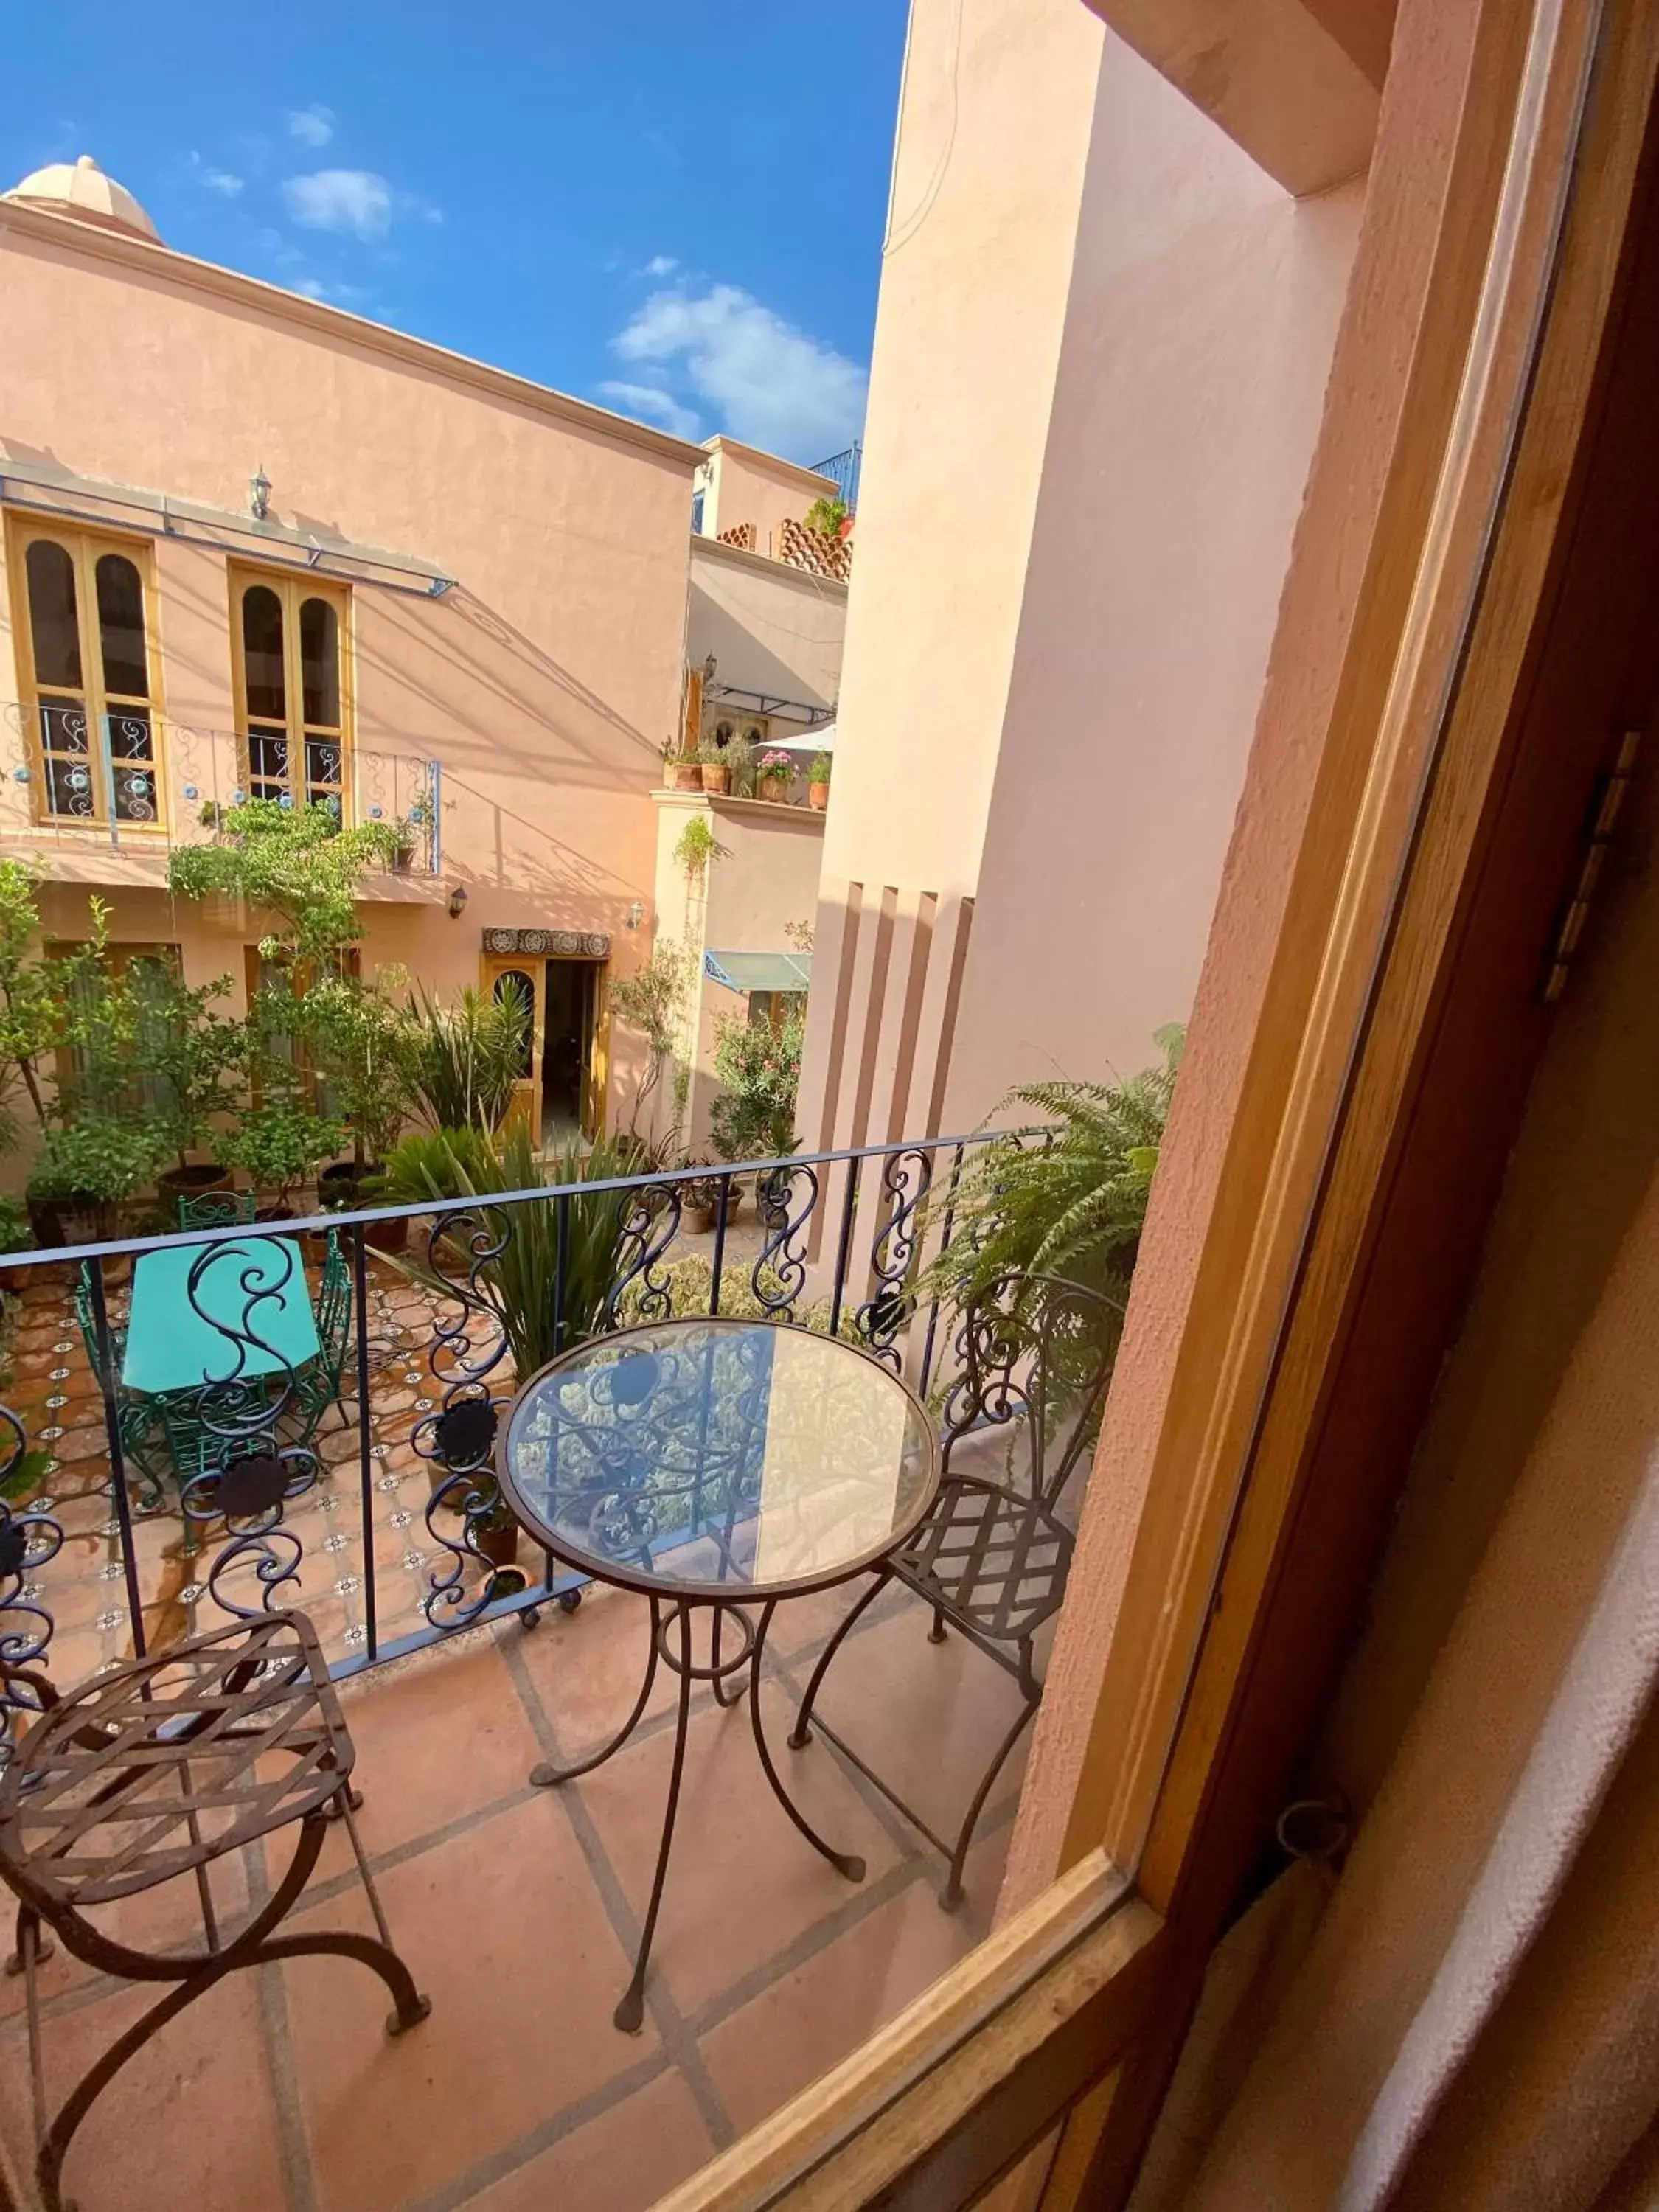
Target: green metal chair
(195,1448)
(141,1421)
(216,1209)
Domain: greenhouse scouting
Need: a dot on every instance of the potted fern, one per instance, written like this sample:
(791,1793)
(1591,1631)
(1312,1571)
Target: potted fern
(1070,1200)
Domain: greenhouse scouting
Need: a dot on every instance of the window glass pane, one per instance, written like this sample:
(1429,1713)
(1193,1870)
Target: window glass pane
(69,789)
(262,653)
(267,756)
(319,663)
(52,615)
(152,974)
(121,626)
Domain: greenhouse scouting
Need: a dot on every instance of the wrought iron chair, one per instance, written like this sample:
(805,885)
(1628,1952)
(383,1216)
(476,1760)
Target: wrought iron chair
(992,1557)
(142,1428)
(104,1798)
(217,1209)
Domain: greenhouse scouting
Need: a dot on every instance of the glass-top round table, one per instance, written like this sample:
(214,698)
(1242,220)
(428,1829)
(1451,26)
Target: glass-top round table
(714,1465)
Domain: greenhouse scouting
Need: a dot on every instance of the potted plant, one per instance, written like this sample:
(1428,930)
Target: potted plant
(278,1145)
(715,770)
(359,1043)
(684,772)
(86,1171)
(184,1055)
(461,1064)
(759,1070)
(774,773)
(698,1199)
(817,782)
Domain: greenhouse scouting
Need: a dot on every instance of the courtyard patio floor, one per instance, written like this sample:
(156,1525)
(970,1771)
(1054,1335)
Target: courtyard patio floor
(517,1910)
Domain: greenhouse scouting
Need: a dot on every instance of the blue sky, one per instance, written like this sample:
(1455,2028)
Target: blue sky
(674,207)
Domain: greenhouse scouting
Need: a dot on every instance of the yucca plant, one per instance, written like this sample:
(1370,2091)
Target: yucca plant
(1069,1201)
(521,1284)
(464,1060)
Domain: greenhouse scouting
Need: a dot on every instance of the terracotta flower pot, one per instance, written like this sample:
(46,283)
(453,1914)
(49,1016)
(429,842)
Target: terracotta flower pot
(195,1181)
(499,1545)
(685,775)
(776,788)
(817,795)
(716,776)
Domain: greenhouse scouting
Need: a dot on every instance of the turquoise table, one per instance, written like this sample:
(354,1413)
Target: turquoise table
(171,1347)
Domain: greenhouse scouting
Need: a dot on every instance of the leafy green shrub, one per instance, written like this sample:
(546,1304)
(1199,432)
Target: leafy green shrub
(826,515)
(759,1071)
(1071,1204)
(295,863)
(105,1158)
(462,1062)
(697,847)
(279,1144)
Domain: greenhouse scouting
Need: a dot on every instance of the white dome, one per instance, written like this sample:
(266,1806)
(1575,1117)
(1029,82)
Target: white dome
(81,190)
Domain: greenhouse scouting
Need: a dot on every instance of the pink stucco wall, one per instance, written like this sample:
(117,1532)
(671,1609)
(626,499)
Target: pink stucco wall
(1199,330)
(744,485)
(1055,653)
(546,682)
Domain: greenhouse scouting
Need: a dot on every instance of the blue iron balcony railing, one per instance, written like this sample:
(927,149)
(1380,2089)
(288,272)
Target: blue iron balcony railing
(140,781)
(357,1483)
(844,468)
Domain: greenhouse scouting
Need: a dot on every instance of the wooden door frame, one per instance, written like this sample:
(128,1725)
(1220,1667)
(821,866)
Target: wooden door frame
(1307,1142)
(492,965)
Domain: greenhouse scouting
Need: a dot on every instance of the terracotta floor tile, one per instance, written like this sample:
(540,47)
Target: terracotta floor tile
(743,1884)
(189,2121)
(810,2019)
(622,2161)
(504,1932)
(588,1667)
(926,1718)
(440,1737)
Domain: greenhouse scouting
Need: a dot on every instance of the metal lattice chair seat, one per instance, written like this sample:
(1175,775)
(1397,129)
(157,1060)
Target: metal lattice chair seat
(110,1791)
(994,1561)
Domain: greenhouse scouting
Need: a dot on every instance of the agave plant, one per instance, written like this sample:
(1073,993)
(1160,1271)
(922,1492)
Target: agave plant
(1069,1200)
(464,1059)
(543,1307)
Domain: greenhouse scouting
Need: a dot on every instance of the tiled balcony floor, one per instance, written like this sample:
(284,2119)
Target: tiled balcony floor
(517,1910)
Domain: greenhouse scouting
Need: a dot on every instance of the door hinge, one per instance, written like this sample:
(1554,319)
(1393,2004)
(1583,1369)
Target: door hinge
(1612,788)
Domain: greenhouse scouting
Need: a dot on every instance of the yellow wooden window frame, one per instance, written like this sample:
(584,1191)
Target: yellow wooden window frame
(108,714)
(297,734)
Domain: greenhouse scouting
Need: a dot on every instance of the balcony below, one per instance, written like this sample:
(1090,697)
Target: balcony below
(116,796)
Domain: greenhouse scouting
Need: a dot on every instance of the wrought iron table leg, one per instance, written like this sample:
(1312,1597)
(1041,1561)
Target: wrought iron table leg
(630,2016)
(546,1775)
(847,1862)
(801,1734)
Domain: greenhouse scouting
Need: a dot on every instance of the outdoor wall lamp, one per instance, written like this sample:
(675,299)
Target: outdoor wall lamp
(635,914)
(258,494)
(457,901)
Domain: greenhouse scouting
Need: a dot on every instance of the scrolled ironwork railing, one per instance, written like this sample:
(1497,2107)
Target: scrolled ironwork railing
(360,1485)
(132,776)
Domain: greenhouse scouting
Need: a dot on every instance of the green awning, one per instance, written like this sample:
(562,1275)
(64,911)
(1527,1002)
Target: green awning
(759,971)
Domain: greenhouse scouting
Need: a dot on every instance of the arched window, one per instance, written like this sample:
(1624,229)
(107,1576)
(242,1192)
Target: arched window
(87,670)
(292,690)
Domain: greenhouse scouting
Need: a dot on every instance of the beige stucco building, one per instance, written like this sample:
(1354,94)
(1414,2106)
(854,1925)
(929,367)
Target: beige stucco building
(1101,345)
(267,547)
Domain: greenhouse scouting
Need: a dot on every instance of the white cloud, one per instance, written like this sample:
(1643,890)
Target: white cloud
(312,127)
(658,406)
(767,381)
(223,181)
(352,200)
(659,264)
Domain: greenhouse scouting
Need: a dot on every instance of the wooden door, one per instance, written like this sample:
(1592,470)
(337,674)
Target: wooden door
(502,976)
